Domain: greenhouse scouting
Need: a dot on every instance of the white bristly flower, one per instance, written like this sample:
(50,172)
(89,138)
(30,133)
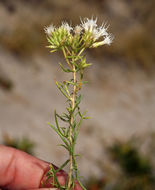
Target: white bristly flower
(86,35)
(49,29)
(103,30)
(99,32)
(108,39)
(89,24)
(66,26)
(77,29)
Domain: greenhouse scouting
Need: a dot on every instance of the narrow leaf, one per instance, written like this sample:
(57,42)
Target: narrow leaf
(59,87)
(65,69)
(60,135)
(63,165)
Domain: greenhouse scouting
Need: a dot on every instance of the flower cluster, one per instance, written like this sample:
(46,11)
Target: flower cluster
(85,35)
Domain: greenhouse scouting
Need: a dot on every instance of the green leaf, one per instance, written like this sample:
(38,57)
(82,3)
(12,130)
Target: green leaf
(81,184)
(66,116)
(62,91)
(87,118)
(77,66)
(53,50)
(55,179)
(69,82)
(66,89)
(56,121)
(60,135)
(78,127)
(86,65)
(71,56)
(62,118)
(63,165)
(79,112)
(78,100)
(64,146)
(74,124)
(84,82)
(77,155)
(65,69)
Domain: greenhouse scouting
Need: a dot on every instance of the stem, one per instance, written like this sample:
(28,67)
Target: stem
(64,52)
(71,130)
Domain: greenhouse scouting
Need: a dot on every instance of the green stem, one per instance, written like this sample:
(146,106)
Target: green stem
(70,175)
(64,52)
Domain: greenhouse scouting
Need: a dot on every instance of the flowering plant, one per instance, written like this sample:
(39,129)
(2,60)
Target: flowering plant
(72,41)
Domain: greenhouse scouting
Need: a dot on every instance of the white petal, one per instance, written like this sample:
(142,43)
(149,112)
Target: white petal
(49,30)
(108,39)
(66,26)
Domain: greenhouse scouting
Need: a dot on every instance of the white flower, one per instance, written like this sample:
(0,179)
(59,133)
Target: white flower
(103,30)
(88,33)
(89,24)
(108,39)
(66,27)
(49,30)
(98,32)
(77,29)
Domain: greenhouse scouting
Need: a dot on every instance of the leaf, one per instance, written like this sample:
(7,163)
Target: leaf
(87,118)
(81,184)
(66,89)
(79,112)
(60,88)
(65,69)
(62,118)
(86,65)
(56,121)
(53,50)
(66,116)
(64,146)
(77,66)
(63,165)
(60,135)
(84,82)
(78,127)
(71,56)
(78,100)
(69,82)
(54,177)
(77,155)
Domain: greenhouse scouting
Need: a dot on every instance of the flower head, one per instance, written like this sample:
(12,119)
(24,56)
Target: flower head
(49,30)
(96,35)
(86,35)
(103,30)
(77,29)
(99,32)
(66,27)
(89,24)
(108,39)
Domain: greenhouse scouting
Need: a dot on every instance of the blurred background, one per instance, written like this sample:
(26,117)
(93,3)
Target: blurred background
(118,143)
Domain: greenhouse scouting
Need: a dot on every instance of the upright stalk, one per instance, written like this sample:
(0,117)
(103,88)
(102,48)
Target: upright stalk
(71,130)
